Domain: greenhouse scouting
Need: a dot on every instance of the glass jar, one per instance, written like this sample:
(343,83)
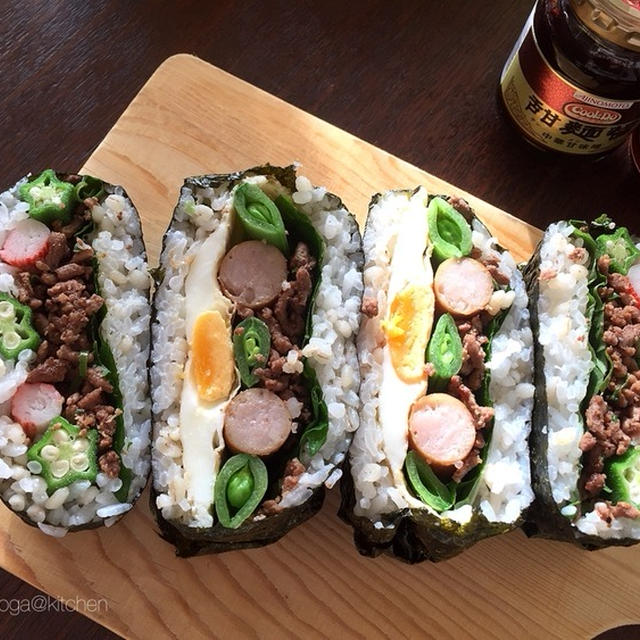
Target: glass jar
(572,82)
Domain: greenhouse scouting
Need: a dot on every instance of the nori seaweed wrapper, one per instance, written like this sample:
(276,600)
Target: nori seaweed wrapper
(416,535)
(83,233)
(191,541)
(544,519)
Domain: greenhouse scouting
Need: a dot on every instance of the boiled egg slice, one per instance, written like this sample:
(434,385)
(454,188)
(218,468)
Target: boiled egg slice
(406,328)
(210,379)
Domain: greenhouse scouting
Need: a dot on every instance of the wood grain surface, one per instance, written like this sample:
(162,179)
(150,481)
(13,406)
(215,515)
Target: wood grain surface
(416,78)
(312,583)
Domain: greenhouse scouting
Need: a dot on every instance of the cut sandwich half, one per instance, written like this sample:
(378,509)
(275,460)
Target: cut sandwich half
(254,364)
(584,283)
(440,459)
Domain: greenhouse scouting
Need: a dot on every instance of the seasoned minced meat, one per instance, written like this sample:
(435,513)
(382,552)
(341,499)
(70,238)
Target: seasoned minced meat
(369,306)
(471,333)
(608,512)
(481,418)
(613,417)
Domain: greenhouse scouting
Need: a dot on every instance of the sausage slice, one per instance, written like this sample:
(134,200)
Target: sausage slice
(256,422)
(252,273)
(463,286)
(441,431)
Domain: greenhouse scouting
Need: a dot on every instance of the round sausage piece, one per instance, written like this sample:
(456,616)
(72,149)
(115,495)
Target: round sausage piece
(256,422)
(463,286)
(252,273)
(441,431)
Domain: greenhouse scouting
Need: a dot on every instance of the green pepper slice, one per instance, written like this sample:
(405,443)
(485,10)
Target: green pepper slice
(449,232)
(64,455)
(623,477)
(48,197)
(251,344)
(444,351)
(315,435)
(240,486)
(16,328)
(83,359)
(259,216)
(620,248)
(426,485)
(89,187)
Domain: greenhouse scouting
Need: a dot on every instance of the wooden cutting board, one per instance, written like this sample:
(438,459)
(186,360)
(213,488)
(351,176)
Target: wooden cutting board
(192,118)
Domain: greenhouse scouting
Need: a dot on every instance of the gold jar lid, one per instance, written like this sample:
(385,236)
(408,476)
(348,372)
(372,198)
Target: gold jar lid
(614,20)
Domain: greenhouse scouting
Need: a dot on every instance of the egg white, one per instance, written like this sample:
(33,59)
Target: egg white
(410,264)
(201,423)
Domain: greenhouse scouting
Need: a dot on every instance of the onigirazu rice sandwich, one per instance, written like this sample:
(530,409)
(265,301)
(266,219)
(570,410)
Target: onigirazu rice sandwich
(75,415)
(440,459)
(254,368)
(584,282)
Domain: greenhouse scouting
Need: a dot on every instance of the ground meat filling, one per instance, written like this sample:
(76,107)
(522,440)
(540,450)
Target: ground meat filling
(608,512)
(292,473)
(60,290)
(463,386)
(369,306)
(473,340)
(482,416)
(613,418)
(285,319)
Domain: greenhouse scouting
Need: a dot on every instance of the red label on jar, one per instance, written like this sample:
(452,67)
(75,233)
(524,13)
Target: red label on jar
(592,115)
(557,114)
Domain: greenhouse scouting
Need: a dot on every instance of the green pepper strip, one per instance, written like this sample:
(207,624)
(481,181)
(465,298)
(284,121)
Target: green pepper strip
(620,248)
(602,366)
(315,435)
(251,344)
(240,486)
(426,485)
(444,351)
(16,328)
(48,197)
(259,216)
(89,187)
(83,359)
(623,477)
(64,455)
(449,232)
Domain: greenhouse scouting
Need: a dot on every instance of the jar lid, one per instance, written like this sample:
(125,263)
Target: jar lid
(635,148)
(617,21)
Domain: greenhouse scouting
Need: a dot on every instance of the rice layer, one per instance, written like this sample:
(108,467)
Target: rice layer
(124,283)
(564,336)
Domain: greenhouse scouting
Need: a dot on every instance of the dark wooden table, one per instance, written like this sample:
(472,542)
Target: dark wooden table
(416,78)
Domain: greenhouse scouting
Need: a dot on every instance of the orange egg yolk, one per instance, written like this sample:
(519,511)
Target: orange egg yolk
(212,357)
(408,327)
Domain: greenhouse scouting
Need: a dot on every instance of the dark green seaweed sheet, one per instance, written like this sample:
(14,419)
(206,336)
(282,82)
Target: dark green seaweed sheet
(544,518)
(190,541)
(89,525)
(415,535)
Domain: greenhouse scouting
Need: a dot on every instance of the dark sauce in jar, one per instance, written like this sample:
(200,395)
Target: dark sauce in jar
(586,59)
(572,83)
